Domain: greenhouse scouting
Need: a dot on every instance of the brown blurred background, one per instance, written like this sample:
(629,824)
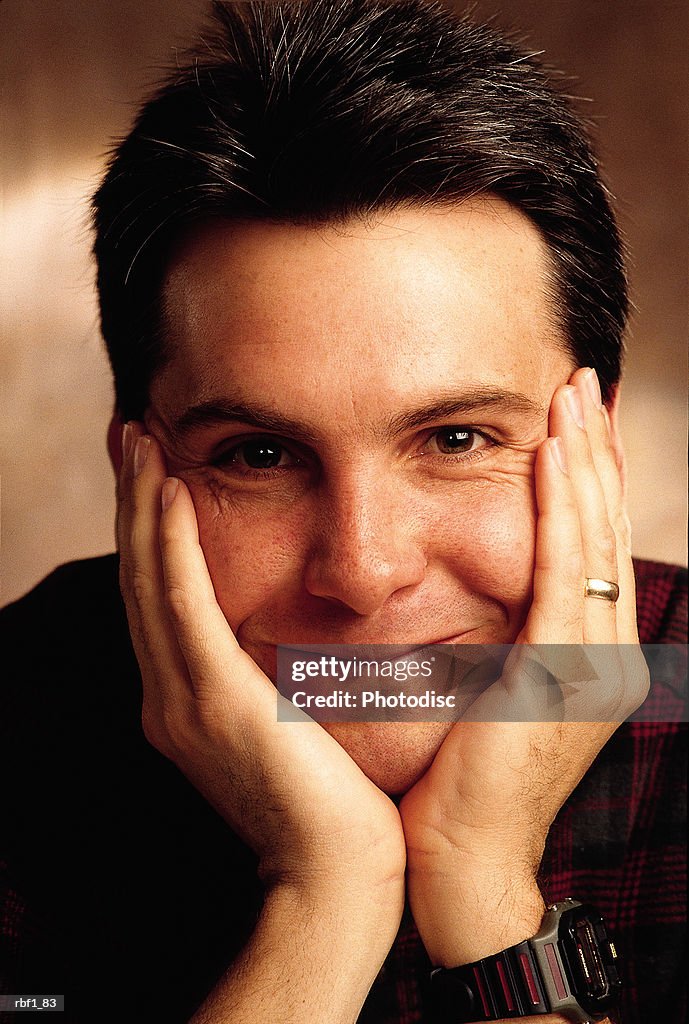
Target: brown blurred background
(73,71)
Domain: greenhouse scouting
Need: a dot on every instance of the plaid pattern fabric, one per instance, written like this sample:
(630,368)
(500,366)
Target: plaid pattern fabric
(122,889)
(619,843)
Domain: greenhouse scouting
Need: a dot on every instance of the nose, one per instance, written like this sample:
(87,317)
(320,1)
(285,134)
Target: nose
(365,548)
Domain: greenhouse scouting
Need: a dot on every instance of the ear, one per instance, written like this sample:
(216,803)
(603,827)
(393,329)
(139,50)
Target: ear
(612,407)
(115,443)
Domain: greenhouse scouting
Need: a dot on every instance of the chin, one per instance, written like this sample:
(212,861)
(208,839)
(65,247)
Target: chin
(394,755)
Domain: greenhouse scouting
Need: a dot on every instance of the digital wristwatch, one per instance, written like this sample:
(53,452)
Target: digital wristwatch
(570,967)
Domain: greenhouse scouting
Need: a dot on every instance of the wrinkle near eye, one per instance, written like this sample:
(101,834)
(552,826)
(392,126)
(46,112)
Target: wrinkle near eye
(519,465)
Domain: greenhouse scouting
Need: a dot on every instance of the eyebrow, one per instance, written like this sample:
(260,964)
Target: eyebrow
(469,401)
(452,405)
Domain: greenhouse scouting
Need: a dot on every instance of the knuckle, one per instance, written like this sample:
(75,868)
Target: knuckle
(141,584)
(604,694)
(566,559)
(166,728)
(612,703)
(124,578)
(145,645)
(574,563)
(169,535)
(155,732)
(639,682)
(174,727)
(605,546)
(168,530)
(179,603)
(627,686)
(212,719)
(623,529)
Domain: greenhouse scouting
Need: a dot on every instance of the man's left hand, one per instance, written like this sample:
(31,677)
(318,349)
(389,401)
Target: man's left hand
(476,823)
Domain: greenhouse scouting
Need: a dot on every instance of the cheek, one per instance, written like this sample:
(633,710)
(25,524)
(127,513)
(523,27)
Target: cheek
(480,536)
(490,539)
(251,556)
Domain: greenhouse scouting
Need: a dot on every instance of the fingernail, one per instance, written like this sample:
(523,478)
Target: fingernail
(558,450)
(576,409)
(127,435)
(167,495)
(593,388)
(141,454)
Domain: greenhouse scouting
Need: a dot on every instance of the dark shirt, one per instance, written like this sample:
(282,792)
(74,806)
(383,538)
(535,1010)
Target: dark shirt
(123,890)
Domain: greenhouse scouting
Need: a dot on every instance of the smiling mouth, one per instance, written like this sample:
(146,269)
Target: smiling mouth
(343,650)
(392,650)
(440,664)
(444,652)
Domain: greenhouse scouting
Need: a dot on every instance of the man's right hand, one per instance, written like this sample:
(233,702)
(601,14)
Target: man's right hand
(326,837)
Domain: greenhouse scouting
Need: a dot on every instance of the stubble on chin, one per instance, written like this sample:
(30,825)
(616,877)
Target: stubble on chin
(393,755)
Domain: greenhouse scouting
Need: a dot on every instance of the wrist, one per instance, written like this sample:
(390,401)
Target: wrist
(464,916)
(351,911)
(568,970)
(346,865)
(311,959)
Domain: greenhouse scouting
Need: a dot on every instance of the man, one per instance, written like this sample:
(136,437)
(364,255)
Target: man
(364,299)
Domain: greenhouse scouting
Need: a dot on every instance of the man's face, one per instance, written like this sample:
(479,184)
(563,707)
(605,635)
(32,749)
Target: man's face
(356,413)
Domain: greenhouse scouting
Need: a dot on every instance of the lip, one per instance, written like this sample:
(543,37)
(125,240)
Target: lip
(342,648)
(401,650)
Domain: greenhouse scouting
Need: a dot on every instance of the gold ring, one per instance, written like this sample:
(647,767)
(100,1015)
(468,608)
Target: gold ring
(603,589)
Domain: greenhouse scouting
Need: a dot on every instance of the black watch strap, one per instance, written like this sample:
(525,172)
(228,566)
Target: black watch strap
(569,967)
(507,984)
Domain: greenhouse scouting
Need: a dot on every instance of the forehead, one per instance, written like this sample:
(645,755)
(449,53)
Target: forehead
(460,292)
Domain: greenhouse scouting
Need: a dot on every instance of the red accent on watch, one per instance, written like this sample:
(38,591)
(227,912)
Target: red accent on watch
(481,990)
(560,986)
(507,991)
(529,979)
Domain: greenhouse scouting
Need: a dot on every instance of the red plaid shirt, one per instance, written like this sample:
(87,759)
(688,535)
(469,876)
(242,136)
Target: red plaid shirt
(121,889)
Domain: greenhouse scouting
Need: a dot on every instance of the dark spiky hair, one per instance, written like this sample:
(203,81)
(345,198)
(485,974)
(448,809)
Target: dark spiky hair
(322,110)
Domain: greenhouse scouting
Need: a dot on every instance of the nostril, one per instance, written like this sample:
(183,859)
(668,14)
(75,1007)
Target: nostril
(361,580)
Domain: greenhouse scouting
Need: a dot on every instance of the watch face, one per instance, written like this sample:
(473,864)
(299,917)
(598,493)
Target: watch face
(590,958)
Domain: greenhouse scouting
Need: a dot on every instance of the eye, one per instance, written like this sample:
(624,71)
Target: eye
(457,440)
(259,453)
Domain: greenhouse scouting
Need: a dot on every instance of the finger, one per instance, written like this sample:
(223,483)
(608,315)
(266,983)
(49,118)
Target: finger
(605,462)
(162,666)
(586,382)
(218,667)
(152,698)
(598,542)
(624,672)
(130,433)
(556,612)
